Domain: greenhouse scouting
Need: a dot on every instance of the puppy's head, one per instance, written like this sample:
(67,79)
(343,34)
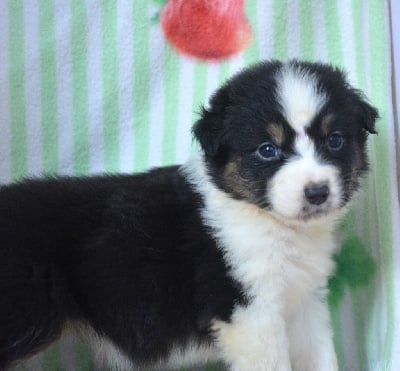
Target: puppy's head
(287,137)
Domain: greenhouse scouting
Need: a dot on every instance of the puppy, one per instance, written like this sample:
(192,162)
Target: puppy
(226,257)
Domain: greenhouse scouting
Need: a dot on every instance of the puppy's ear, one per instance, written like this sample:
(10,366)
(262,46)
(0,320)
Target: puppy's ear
(368,115)
(209,131)
(212,128)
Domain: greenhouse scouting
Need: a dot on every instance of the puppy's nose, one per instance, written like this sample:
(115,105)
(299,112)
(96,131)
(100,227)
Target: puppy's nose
(316,193)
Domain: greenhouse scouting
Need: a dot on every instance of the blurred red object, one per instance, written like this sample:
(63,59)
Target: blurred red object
(206,29)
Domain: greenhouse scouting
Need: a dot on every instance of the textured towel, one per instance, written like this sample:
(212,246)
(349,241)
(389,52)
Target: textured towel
(91,87)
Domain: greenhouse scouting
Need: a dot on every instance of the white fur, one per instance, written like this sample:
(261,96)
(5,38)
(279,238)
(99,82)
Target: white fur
(191,355)
(286,189)
(283,268)
(283,265)
(282,261)
(298,95)
(108,353)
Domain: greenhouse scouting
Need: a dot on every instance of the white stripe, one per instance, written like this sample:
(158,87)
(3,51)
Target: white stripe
(293,29)
(95,86)
(395,22)
(367,90)
(33,112)
(365,45)
(348,332)
(212,82)
(125,84)
(5,118)
(382,319)
(62,23)
(265,21)
(156,129)
(374,342)
(236,64)
(185,114)
(319,31)
(346,32)
(67,346)
(394,185)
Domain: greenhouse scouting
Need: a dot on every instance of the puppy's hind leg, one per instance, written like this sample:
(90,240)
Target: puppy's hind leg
(31,309)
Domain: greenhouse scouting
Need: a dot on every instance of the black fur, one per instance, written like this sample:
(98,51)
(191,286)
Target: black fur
(234,125)
(131,256)
(86,250)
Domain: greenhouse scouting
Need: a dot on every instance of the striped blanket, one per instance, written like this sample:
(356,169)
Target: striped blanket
(92,86)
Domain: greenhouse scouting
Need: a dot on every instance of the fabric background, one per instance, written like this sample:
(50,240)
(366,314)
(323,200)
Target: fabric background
(92,87)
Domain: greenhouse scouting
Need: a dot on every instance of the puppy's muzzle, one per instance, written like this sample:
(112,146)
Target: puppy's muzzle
(316,193)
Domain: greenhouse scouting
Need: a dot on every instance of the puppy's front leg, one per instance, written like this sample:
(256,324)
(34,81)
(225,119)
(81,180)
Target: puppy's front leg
(255,340)
(311,338)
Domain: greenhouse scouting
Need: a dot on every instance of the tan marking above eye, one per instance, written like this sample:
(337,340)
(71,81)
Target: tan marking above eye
(277,133)
(326,123)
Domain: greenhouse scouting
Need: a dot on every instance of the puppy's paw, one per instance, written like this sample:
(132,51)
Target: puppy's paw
(248,348)
(266,365)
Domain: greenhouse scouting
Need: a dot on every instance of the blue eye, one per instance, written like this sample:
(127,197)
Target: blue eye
(335,141)
(268,151)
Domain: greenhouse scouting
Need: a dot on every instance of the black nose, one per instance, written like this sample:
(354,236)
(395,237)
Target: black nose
(316,194)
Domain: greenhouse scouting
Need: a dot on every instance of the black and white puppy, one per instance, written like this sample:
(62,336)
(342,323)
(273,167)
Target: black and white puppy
(226,257)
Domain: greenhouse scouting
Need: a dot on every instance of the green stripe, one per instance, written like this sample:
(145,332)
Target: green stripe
(279,9)
(79,86)
(361,312)
(199,90)
(252,52)
(141,67)
(51,359)
(214,367)
(306,30)
(171,100)
(223,73)
(84,359)
(370,340)
(334,49)
(376,300)
(347,225)
(358,29)
(110,85)
(16,89)
(379,86)
(359,322)
(333,35)
(337,335)
(361,84)
(48,87)
(372,333)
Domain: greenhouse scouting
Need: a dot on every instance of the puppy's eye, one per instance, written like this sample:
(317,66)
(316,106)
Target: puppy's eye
(335,141)
(268,151)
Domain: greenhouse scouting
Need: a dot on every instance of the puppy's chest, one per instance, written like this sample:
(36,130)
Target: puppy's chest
(277,263)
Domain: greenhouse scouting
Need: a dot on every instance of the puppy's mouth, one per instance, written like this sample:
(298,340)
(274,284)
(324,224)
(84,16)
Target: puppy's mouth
(309,212)
(306,214)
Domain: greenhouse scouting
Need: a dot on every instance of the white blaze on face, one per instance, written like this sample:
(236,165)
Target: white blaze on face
(299,96)
(300,102)
(303,144)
